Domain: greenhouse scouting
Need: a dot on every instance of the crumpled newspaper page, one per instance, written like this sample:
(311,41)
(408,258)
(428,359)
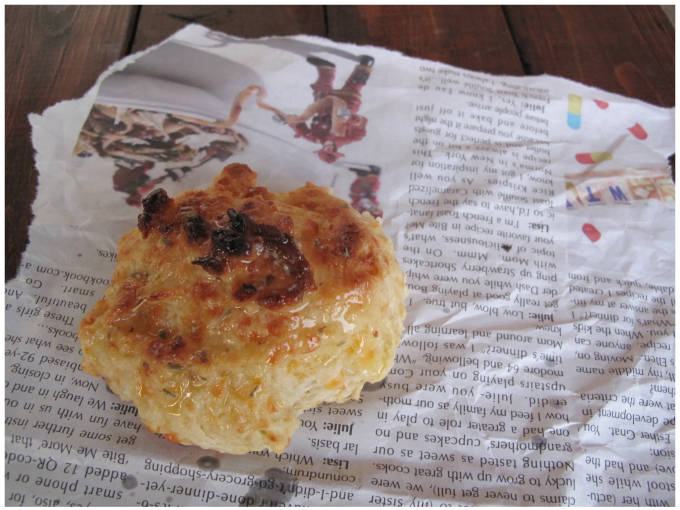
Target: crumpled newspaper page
(533,216)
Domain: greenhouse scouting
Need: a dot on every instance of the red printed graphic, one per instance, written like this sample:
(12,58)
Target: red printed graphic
(363,190)
(601,104)
(587,158)
(591,232)
(334,114)
(638,132)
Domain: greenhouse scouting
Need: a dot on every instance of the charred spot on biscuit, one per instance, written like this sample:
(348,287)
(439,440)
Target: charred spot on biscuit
(153,204)
(229,242)
(271,234)
(237,221)
(196,228)
(288,273)
(249,289)
(166,228)
(155,201)
(211,264)
(245,291)
(144,223)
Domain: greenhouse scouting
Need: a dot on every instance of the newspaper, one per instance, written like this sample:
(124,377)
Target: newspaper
(533,216)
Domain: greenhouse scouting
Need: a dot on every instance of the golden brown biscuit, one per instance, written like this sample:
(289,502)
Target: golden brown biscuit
(234,309)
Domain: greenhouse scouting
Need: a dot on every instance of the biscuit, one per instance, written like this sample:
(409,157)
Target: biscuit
(234,309)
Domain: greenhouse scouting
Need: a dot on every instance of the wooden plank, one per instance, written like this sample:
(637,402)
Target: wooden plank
(471,37)
(627,50)
(51,53)
(158,22)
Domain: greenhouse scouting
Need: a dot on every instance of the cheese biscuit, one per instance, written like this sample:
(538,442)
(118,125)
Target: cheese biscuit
(233,309)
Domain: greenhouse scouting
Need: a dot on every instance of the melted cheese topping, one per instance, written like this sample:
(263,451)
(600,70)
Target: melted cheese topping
(233,309)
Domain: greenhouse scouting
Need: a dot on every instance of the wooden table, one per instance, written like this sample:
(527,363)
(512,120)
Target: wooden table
(55,53)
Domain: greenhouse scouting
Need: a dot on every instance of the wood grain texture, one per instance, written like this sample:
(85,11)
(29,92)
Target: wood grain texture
(629,50)
(51,53)
(472,37)
(159,22)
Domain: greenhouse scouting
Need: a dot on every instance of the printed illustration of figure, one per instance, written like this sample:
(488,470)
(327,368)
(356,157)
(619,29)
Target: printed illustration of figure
(363,191)
(134,181)
(334,113)
(141,140)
